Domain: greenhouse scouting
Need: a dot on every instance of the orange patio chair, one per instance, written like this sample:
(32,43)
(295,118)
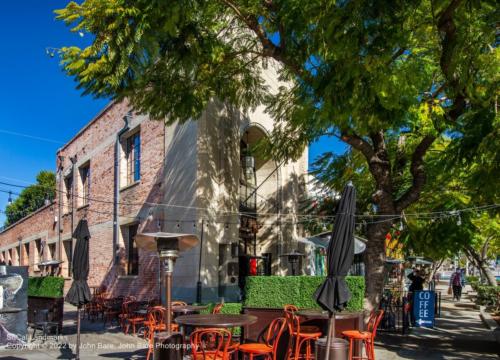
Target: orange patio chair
(210,344)
(217,308)
(302,341)
(367,337)
(267,349)
(290,310)
(132,318)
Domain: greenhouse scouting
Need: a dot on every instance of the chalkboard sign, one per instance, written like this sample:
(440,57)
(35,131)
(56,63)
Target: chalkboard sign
(423,308)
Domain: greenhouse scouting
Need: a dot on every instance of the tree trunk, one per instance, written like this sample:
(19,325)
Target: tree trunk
(481,264)
(375,264)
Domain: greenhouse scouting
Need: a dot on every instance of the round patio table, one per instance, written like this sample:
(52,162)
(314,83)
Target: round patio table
(216,320)
(312,313)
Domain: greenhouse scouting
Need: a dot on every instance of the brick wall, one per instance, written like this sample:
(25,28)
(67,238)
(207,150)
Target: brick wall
(95,144)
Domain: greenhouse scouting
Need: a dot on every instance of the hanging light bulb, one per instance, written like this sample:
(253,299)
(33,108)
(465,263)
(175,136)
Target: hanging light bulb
(459,220)
(9,201)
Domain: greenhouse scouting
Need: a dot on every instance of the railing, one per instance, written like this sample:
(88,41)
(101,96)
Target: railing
(397,312)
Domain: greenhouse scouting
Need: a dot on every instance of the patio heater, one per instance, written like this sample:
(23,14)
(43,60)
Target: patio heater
(293,258)
(168,246)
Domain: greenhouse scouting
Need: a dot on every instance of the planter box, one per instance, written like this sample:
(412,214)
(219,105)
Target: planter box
(54,305)
(257,331)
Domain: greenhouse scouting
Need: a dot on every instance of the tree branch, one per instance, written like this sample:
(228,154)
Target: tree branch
(358,143)
(446,25)
(269,49)
(418,172)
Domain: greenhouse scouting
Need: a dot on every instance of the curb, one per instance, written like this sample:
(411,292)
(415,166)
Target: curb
(487,319)
(490,323)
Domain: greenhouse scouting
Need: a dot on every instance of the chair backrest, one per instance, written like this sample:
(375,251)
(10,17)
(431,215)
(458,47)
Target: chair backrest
(274,332)
(210,343)
(217,308)
(289,310)
(374,321)
(156,315)
(178,303)
(129,307)
(293,322)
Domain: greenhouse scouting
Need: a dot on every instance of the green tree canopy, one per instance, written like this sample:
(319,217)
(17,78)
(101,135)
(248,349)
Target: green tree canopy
(369,72)
(32,197)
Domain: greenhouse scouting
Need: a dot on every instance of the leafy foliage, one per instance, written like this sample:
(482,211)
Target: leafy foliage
(46,286)
(32,198)
(277,291)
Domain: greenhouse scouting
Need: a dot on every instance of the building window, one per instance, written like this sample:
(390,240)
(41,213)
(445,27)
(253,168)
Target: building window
(26,259)
(133,157)
(52,251)
(68,184)
(85,182)
(132,251)
(38,254)
(68,252)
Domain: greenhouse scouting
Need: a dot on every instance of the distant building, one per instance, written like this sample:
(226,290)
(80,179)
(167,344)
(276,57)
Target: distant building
(197,177)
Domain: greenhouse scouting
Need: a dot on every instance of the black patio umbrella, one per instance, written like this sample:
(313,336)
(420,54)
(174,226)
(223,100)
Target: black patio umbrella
(333,294)
(79,293)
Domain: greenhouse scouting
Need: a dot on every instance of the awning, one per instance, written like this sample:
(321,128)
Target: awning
(321,240)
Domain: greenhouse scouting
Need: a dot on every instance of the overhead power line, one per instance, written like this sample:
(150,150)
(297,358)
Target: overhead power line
(14,133)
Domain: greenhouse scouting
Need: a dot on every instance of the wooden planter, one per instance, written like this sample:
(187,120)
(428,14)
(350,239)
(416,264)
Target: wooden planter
(257,331)
(54,305)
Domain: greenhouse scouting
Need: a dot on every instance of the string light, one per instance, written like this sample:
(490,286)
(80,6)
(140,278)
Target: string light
(432,216)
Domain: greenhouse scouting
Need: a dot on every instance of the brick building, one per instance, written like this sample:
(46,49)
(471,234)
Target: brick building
(197,177)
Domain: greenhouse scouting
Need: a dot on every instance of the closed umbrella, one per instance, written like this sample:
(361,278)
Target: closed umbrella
(79,293)
(333,294)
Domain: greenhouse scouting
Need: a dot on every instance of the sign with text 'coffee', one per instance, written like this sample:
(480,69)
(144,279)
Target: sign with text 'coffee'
(423,308)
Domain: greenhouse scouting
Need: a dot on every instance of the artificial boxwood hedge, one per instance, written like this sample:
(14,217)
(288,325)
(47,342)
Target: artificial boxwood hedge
(46,286)
(277,291)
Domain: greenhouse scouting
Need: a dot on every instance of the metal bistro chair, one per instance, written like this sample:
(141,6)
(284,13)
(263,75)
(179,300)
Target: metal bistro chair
(302,341)
(367,337)
(269,348)
(210,344)
(42,322)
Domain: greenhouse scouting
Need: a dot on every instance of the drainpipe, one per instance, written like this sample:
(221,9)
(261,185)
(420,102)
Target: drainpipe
(59,209)
(70,261)
(125,128)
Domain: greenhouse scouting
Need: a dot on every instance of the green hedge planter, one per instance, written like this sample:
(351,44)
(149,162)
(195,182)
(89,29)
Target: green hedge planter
(277,291)
(46,286)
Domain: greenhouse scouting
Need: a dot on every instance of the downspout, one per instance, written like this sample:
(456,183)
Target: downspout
(116,194)
(70,263)
(59,210)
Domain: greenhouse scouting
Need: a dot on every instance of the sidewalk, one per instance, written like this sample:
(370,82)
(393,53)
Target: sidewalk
(458,334)
(96,341)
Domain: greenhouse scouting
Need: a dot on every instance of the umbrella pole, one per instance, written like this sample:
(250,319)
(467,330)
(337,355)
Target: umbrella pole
(331,334)
(78,333)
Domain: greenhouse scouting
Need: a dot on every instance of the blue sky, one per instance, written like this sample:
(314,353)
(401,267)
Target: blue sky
(38,99)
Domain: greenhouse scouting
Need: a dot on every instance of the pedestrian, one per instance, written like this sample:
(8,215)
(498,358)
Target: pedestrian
(457,282)
(417,281)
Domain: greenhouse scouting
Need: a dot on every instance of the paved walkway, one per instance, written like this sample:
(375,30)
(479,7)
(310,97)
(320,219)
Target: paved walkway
(459,334)
(97,342)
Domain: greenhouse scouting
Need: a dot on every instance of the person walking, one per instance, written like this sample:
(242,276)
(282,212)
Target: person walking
(457,282)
